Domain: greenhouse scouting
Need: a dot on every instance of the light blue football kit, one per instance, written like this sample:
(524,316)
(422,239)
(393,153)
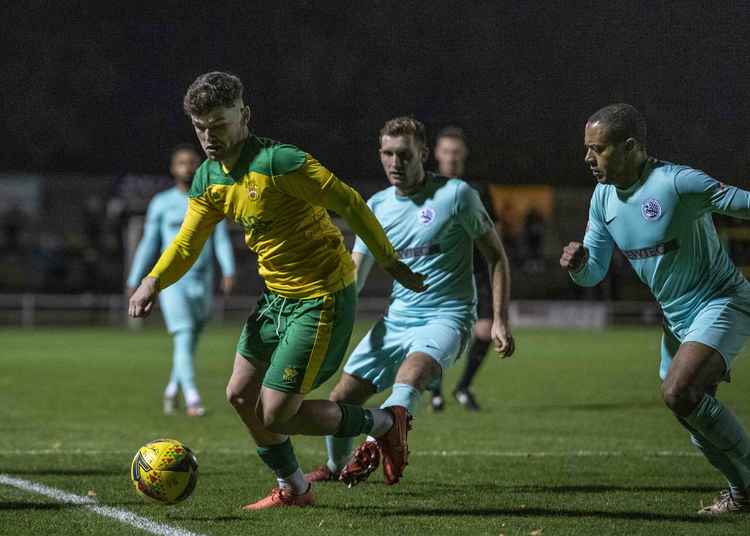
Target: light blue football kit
(663,225)
(186,305)
(433,232)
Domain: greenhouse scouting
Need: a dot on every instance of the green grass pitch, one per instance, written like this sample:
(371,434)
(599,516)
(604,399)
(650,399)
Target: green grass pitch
(573,440)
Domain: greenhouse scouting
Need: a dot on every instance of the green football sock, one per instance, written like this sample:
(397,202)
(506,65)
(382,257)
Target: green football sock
(737,481)
(280,458)
(714,422)
(355,420)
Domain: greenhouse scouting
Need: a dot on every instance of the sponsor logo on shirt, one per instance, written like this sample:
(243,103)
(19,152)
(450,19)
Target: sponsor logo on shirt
(253,224)
(421,251)
(652,251)
(651,209)
(426,216)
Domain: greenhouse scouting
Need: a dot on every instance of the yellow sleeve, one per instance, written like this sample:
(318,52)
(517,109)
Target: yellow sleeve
(313,183)
(177,259)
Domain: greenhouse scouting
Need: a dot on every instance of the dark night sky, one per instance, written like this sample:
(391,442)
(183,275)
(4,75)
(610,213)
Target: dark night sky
(101,92)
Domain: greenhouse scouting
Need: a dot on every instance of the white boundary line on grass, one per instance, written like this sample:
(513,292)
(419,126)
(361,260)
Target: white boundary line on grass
(123,516)
(435,453)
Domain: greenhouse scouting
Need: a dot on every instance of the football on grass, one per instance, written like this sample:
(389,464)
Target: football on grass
(164,470)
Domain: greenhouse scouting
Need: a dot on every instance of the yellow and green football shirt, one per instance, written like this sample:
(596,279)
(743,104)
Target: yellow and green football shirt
(279,195)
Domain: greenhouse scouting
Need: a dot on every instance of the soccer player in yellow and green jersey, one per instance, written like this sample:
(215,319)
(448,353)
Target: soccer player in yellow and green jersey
(297,336)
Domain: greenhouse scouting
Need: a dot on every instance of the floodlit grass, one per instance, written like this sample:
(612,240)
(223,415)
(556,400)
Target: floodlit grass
(573,439)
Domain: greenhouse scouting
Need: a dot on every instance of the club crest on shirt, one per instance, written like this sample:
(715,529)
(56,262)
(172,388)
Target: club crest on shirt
(252,192)
(290,375)
(426,215)
(651,209)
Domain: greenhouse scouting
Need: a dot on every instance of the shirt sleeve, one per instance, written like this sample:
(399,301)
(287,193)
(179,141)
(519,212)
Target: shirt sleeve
(177,259)
(149,246)
(599,244)
(359,245)
(223,249)
(706,194)
(363,270)
(470,212)
(313,183)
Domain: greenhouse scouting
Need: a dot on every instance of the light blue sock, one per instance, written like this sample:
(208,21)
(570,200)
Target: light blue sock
(720,427)
(717,458)
(182,363)
(173,386)
(339,450)
(405,395)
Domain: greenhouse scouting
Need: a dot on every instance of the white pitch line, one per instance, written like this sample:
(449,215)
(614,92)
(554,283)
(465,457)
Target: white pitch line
(123,516)
(434,453)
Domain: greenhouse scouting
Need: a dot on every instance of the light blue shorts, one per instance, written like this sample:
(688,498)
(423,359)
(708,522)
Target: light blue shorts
(186,305)
(380,353)
(723,324)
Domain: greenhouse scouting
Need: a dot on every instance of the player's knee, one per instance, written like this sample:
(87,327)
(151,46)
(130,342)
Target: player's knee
(352,390)
(272,419)
(681,399)
(431,374)
(342,393)
(234,397)
(338,394)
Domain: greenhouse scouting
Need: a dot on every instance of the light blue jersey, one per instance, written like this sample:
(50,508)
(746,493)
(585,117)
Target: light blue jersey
(663,225)
(190,301)
(433,232)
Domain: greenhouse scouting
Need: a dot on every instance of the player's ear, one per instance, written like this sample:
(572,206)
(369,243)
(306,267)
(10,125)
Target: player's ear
(425,153)
(246,114)
(630,144)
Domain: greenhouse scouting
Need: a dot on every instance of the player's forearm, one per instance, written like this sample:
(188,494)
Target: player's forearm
(732,201)
(181,254)
(590,273)
(176,260)
(143,257)
(364,224)
(145,253)
(172,265)
(500,277)
(363,265)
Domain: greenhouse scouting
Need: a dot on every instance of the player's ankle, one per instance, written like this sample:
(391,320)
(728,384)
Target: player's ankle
(295,483)
(335,467)
(382,422)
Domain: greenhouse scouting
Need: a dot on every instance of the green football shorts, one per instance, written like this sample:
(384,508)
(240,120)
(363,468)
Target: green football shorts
(303,341)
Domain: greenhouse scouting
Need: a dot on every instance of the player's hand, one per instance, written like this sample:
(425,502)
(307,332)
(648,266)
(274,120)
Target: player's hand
(505,345)
(142,300)
(574,257)
(129,292)
(403,274)
(227,284)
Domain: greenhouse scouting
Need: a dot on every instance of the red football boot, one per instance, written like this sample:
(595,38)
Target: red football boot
(322,474)
(393,445)
(282,497)
(364,461)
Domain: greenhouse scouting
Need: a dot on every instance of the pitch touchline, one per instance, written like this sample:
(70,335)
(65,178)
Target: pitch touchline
(435,453)
(123,516)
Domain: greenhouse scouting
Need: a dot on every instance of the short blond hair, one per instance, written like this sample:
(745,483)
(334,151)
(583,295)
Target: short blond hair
(405,126)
